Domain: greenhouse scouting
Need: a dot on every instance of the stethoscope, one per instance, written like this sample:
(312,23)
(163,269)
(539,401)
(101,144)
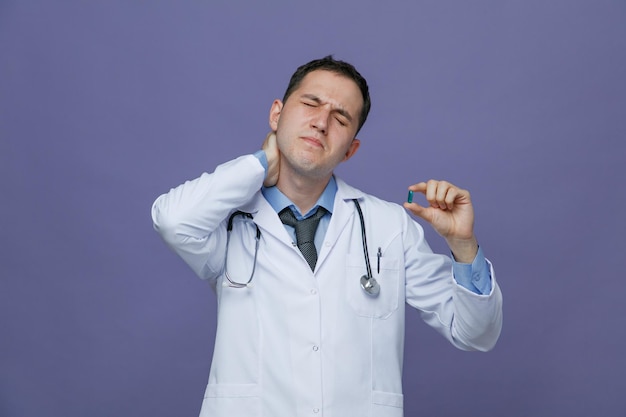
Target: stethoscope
(368,282)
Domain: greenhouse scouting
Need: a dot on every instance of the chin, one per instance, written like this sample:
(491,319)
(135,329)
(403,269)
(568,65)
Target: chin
(315,172)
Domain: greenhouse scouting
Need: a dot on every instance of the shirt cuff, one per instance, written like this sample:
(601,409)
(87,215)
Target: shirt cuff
(260,155)
(476,276)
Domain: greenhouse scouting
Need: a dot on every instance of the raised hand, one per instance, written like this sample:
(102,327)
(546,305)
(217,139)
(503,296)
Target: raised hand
(450,213)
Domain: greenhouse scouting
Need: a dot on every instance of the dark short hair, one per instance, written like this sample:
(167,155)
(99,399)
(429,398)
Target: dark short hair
(345,69)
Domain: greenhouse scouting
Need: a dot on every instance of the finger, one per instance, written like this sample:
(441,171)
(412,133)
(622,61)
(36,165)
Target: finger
(429,190)
(272,154)
(420,187)
(432,192)
(418,210)
(450,197)
(440,194)
(270,141)
(447,195)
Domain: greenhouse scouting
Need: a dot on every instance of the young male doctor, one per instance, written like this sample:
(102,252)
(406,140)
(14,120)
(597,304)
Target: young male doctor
(311,274)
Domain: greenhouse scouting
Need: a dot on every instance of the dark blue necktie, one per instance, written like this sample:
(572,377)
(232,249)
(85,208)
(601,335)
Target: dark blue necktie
(305,232)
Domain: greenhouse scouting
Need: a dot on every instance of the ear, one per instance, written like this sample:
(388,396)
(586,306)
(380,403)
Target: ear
(275,110)
(354,146)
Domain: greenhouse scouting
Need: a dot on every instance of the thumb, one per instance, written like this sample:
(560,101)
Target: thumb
(273,159)
(418,210)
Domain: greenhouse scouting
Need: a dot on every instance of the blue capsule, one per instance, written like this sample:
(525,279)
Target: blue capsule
(410,198)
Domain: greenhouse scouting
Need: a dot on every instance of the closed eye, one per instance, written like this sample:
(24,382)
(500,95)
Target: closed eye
(310,100)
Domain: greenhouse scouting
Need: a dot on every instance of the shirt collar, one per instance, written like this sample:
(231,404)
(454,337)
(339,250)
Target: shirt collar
(279,201)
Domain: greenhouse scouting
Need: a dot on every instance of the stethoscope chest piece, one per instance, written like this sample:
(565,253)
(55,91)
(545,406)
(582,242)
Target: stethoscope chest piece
(370,285)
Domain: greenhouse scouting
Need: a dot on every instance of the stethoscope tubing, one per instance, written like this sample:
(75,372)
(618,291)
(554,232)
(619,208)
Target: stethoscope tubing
(363,238)
(257,239)
(368,282)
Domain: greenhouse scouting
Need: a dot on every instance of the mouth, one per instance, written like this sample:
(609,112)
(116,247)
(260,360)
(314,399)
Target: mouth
(313,141)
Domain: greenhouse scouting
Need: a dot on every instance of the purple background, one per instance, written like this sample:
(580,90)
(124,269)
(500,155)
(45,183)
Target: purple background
(106,105)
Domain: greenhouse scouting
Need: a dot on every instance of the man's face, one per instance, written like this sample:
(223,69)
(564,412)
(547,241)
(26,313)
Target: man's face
(316,127)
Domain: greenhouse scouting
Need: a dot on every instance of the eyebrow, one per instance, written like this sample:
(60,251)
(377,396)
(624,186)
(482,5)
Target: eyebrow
(339,110)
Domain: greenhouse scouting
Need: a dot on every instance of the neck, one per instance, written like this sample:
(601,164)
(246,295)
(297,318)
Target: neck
(303,192)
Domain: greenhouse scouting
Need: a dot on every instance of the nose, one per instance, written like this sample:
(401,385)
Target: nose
(319,121)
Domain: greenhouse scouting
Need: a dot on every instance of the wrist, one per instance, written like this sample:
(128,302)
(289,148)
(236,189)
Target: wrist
(463,250)
(262,157)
